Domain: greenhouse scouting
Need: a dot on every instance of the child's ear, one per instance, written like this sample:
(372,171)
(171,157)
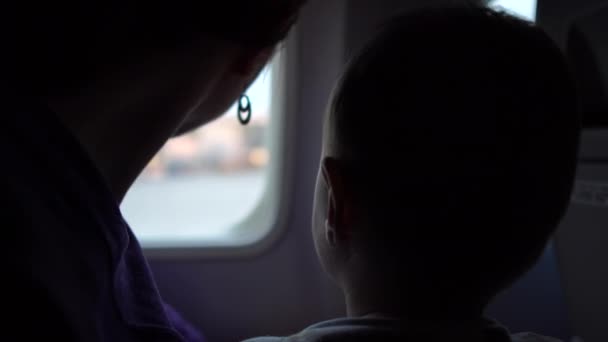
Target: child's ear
(339,204)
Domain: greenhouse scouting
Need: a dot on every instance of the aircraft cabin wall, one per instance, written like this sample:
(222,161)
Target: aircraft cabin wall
(278,287)
(582,239)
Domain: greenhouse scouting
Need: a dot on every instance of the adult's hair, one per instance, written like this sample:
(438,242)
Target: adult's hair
(56,44)
(459,127)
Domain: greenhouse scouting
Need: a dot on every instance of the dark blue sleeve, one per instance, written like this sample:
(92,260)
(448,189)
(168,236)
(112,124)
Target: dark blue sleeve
(188,332)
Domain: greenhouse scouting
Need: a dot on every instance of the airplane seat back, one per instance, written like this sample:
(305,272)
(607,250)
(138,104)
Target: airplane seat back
(585,54)
(582,239)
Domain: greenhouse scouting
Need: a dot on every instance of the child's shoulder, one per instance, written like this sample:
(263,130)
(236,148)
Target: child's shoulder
(387,329)
(532,337)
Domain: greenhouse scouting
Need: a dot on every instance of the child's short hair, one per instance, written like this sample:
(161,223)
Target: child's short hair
(461,129)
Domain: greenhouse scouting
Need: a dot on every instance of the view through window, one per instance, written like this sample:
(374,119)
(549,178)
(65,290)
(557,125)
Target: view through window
(202,184)
(523,8)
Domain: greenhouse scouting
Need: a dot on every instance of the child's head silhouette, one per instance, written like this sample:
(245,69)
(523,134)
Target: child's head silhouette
(448,159)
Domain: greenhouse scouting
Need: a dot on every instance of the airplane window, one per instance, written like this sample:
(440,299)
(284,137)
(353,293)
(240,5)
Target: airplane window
(202,185)
(522,8)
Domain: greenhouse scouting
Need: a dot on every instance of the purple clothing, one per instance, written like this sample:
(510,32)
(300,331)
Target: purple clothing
(77,272)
